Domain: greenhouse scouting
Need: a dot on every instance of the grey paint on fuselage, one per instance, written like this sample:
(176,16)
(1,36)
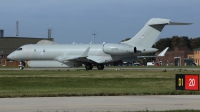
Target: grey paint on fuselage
(52,52)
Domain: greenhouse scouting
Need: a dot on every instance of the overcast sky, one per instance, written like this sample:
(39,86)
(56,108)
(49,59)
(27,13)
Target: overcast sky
(112,20)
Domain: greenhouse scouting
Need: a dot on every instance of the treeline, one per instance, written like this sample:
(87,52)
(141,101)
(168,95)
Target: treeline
(176,41)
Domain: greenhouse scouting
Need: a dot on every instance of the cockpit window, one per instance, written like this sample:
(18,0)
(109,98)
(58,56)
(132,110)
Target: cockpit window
(19,49)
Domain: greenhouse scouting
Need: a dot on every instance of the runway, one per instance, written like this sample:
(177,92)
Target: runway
(106,68)
(100,103)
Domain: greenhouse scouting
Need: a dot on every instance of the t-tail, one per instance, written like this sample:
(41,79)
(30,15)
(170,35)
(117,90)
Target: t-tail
(147,36)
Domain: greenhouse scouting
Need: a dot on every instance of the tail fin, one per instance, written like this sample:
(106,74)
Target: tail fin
(147,36)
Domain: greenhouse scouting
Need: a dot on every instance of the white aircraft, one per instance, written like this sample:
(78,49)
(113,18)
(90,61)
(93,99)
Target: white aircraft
(50,54)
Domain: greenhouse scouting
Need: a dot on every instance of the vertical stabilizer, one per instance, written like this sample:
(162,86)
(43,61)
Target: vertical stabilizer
(147,36)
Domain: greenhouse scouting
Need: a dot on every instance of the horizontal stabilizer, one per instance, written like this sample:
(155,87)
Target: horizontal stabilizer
(159,21)
(178,23)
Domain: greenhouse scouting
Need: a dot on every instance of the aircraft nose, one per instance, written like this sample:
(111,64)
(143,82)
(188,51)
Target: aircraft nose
(10,56)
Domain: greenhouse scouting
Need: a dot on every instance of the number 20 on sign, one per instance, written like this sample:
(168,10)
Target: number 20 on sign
(187,82)
(192,82)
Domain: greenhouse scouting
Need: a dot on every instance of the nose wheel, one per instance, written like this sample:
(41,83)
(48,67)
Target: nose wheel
(21,68)
(22,65)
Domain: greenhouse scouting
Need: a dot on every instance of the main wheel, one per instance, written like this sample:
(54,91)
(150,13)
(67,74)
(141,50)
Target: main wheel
(88,66)
(100,66)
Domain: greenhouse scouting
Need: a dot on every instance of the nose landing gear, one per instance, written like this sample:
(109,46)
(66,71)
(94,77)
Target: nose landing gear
(22,65)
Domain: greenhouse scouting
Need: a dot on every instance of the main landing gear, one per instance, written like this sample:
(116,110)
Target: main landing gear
(89,66)
(100,66)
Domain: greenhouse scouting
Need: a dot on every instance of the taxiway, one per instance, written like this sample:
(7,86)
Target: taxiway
(100,103)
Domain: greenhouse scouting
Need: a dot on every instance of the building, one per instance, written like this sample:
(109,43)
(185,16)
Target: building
(196,54)
(1,33)
(9,44)
(175,57)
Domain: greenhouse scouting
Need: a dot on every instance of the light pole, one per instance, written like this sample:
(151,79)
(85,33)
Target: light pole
(94,37)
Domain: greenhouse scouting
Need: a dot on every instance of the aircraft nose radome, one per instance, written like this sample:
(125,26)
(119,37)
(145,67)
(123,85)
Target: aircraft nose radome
(10,56)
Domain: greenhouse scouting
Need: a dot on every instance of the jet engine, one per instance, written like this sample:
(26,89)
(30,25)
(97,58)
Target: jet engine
(119,49)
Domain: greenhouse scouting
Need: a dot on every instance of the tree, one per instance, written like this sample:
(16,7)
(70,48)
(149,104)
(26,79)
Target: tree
(163,43)
(175,41)
(183,41)
(195,42)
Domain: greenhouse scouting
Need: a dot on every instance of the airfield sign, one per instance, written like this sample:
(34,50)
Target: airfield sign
(187,82)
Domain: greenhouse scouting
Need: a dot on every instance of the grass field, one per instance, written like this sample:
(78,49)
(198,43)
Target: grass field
(27,83)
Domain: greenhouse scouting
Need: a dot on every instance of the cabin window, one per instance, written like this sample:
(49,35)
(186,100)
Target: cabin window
(44,50)
(34,50)
(19,49)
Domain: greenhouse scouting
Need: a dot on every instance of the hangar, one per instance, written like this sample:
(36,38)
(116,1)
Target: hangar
(180,56)
(9,44)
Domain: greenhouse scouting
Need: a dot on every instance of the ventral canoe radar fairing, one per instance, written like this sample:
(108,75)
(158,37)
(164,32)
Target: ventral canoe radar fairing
(50,54)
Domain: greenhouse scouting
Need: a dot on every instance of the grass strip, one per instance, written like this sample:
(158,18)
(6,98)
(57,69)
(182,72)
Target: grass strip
(47,83)
(71,86)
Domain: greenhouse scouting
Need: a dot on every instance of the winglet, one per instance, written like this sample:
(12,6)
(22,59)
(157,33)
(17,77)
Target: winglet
(163,52)
(159,55)
(85,54)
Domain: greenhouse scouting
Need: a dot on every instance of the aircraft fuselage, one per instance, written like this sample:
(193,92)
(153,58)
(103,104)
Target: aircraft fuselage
(61,52)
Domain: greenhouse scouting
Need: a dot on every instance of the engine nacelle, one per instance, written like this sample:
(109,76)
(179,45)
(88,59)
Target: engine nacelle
(118,49)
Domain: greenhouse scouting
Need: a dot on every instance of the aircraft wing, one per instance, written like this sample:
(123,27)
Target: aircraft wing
(81,58)
(159,55)
(163,52)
